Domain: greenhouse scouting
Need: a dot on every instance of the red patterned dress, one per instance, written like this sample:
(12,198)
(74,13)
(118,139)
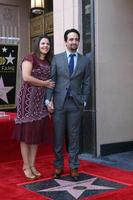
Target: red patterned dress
(32,117)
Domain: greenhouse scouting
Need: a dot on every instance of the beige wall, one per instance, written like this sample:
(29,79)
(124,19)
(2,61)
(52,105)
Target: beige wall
(67,14)
(114,71)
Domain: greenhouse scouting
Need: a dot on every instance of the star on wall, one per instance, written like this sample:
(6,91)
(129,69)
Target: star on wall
(10,59)
(76,188)
(4,49)
(4,90)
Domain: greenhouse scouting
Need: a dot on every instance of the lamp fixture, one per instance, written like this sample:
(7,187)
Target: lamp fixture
(37,6)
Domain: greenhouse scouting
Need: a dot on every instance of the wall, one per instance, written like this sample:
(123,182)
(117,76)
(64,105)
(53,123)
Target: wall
(114,71)
(67,14)
(22,21)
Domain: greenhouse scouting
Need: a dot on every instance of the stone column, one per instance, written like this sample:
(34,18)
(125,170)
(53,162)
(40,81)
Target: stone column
(67,14)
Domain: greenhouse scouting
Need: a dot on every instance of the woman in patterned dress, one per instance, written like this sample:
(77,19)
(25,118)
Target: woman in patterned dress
(32,116)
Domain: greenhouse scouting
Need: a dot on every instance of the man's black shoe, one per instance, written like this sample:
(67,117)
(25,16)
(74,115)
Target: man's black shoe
(74,174)
(58,172)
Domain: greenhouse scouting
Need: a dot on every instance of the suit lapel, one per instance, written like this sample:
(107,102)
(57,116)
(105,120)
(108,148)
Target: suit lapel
(65,63)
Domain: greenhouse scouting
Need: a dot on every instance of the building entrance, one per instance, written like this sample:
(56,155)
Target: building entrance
(88,136)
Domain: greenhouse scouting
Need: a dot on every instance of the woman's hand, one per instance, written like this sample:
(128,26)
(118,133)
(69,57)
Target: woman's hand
(50,107)
(49,83)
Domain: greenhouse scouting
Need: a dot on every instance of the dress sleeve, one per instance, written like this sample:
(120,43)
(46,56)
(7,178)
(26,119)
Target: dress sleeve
(29,57)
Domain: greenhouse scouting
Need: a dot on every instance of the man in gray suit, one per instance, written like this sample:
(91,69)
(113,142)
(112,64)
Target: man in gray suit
(70,72)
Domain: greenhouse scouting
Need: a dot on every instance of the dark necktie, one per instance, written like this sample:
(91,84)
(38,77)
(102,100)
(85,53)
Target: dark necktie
(71,68)
(71,63)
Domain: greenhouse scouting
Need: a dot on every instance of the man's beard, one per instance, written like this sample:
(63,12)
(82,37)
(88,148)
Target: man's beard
(74,48)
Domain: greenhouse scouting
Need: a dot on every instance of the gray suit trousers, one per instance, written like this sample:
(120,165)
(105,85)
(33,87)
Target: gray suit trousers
(68,118)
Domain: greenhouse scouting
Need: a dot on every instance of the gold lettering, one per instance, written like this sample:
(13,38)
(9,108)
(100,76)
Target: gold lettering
(7,68)
(2,60)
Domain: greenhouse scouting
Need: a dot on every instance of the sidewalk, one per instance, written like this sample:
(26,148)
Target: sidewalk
(121,160)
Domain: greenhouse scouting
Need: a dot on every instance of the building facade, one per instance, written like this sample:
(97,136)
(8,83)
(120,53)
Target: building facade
(106,28)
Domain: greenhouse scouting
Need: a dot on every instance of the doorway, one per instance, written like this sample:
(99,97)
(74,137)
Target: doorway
(88,127)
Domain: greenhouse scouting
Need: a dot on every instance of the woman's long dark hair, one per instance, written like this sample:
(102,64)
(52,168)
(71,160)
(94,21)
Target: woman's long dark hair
(37,51)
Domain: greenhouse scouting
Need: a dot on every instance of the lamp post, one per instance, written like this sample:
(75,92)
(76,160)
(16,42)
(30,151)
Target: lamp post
(37,7)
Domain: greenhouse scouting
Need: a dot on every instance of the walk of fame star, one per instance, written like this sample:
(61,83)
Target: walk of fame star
(4,90)
(66,189)
(76,188)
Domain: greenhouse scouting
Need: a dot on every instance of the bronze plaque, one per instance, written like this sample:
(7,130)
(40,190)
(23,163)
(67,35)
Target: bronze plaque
(48,22)
(37,26)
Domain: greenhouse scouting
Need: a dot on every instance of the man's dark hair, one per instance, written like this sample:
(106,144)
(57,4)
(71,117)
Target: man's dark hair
(72,30)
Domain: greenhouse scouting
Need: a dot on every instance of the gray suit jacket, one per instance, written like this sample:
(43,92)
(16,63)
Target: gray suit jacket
(79,81)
